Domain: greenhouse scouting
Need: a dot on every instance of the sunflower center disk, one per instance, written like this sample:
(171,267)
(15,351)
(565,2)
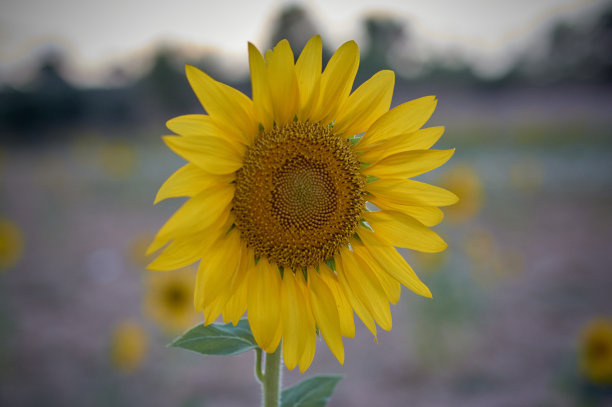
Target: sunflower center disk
(300,195)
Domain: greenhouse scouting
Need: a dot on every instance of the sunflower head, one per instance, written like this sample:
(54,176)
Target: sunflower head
(278,187)
(300,195)
(128,346)
(467,184)
(11,244)
(596,351)
(169,299)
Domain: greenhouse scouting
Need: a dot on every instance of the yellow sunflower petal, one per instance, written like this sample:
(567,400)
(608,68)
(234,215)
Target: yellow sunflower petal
(212,311)
(267,56)
(262,102)
(198,213)
(236,306)
(397,229)
(410,192)
(293,317)
(427,215)
(217,269)
(247,261)
(324,309)
(391,287)
(393,263)
(409,164)
(192,125)
(211,154)
(189,180)
(337,81)
(308,326)
(367,289)
(195,125)
(309,351)
(403,119)
(283,83)
(308,71)
(229,107)
(357,306)
(308,354)
(263,299)
(419,140)
(345,311)
(366,104)
(182,252)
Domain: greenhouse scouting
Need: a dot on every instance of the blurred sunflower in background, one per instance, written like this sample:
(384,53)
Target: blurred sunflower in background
(463,180)
(278,186)
(117,158)
(596,351)
(11,244)
(169,299)
(128,346)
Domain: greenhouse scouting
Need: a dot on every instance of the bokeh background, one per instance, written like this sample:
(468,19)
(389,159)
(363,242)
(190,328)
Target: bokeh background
(522,297)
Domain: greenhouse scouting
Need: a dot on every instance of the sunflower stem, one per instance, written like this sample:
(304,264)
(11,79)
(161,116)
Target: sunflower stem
(258,373)
(272,379)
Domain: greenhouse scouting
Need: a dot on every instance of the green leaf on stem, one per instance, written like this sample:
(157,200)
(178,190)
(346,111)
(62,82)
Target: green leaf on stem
(217,339)
(312,392)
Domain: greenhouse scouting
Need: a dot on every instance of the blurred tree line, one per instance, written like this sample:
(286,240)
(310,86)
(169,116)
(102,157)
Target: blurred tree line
(575,54)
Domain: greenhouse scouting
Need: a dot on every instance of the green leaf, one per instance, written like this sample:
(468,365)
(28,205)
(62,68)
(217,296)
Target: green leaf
(218,339)
(312,392)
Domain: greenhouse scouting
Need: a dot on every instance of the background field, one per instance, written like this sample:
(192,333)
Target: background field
(528,264)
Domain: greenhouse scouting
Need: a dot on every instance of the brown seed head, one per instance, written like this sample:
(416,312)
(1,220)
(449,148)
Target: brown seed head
(300,195)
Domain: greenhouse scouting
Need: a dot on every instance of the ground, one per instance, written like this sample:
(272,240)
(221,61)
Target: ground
(521,278)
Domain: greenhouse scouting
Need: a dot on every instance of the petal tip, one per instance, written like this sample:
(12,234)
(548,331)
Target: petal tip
(158,198)
(190,70)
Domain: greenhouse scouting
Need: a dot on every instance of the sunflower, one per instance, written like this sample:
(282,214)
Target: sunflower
(278,186)
(168,299)
(11,244)
(128,346)
(466,183)
(596,351)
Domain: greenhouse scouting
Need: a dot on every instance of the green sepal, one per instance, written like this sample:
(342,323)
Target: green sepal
(217,339)
(331,263)
(366,225)
(312,392)
(371,178)
(355,139)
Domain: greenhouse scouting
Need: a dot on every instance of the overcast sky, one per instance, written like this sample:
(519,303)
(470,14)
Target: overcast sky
(98,34)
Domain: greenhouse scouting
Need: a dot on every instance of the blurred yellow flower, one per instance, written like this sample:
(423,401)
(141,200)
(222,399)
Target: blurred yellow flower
(118,158)
(128,346)
(277,189)
(464,181)
(479,244)
(11,244)
(490,261)
(169,299)
(596,351)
